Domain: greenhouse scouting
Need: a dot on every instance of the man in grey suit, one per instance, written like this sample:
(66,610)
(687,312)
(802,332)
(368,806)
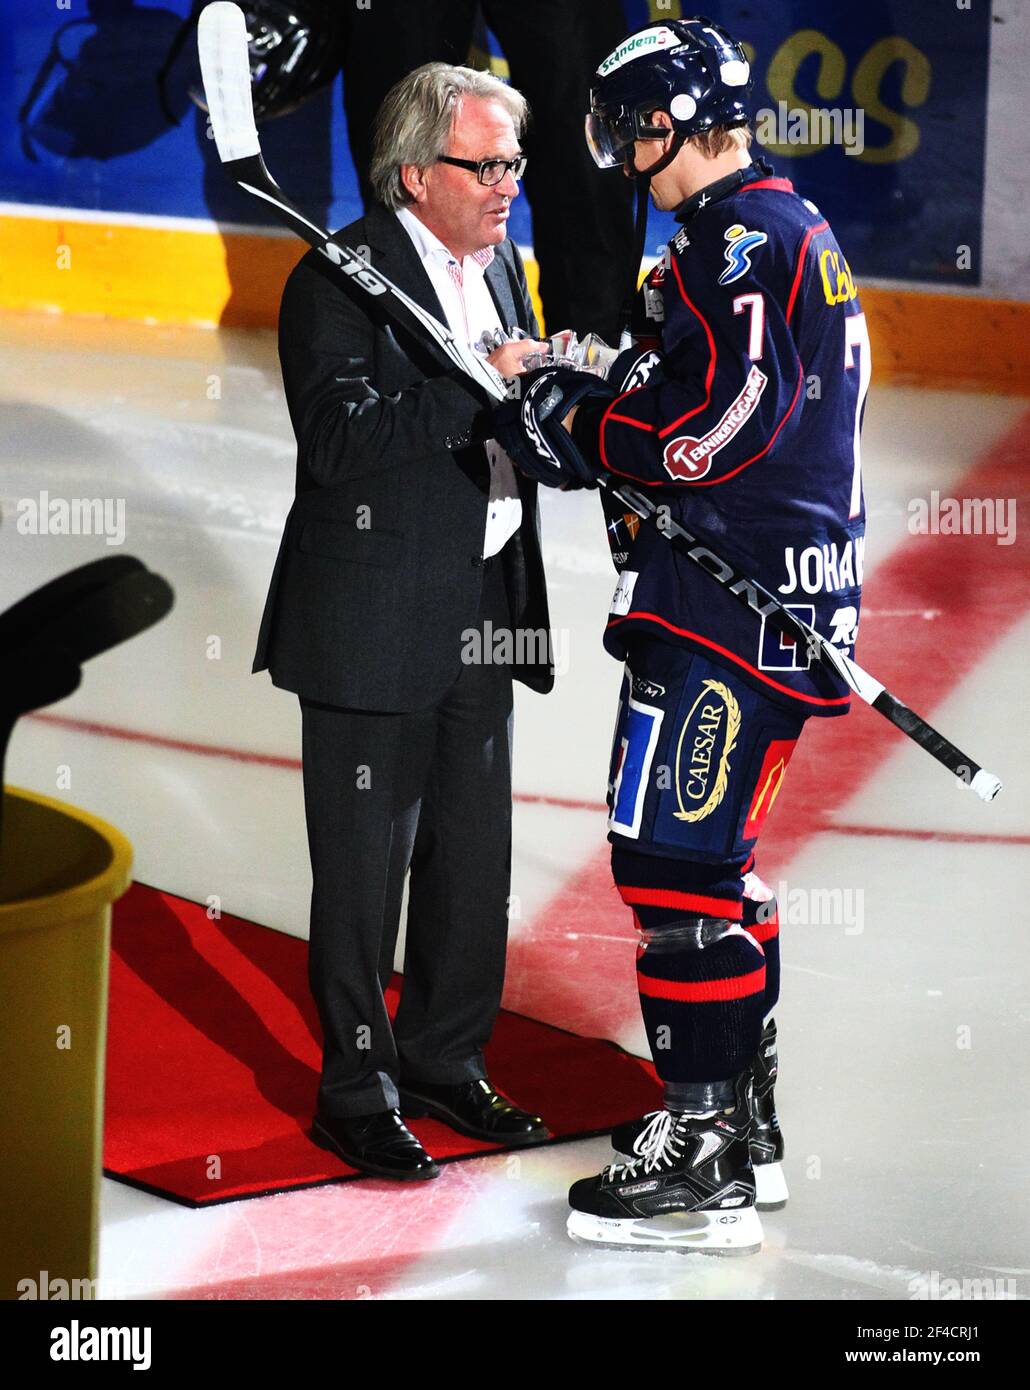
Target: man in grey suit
(411,544)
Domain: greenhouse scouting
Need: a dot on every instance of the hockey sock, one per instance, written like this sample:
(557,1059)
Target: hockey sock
(762,921)
(701,976)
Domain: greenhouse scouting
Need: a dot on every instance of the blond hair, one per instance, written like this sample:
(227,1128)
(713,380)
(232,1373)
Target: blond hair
(721,138)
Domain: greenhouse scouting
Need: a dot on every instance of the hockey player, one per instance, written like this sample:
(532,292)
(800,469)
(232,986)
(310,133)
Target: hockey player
(740,406)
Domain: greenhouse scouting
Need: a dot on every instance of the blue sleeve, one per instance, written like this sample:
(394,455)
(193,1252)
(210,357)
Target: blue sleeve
(729,377)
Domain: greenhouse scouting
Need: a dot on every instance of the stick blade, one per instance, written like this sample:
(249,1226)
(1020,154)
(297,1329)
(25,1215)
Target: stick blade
(225,67)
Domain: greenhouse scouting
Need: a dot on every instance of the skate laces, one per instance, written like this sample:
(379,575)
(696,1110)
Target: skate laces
(659,1142)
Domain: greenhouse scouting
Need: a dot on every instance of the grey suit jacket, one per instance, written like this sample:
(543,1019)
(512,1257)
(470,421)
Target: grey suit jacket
(379,571)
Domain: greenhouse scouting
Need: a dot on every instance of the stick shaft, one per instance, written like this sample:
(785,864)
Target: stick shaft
(251,175)
(765,605)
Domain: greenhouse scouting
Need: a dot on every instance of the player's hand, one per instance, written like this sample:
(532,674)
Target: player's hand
(531,430)
(507,359)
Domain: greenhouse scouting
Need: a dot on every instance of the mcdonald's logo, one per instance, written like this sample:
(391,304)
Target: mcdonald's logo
(767,785)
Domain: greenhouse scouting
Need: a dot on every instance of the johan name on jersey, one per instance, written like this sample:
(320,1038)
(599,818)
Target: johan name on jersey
(823,569)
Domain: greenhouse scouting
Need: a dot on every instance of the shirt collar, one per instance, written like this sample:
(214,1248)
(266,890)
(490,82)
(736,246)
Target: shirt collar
(430,247)
(759,169)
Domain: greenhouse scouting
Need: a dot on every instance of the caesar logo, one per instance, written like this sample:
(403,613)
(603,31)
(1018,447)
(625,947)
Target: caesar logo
(702,769)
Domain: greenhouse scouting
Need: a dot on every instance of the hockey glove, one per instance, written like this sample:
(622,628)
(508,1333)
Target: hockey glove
(634,367)
(531,433)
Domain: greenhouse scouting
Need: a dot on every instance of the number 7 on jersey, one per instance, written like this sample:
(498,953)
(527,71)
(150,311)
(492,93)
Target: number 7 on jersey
(856,336)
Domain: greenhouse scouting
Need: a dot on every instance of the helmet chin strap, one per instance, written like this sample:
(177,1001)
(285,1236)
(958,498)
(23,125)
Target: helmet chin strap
(678,141)
(639,237)
(643,180)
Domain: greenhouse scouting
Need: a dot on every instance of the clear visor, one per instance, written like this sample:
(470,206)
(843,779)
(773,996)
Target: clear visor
(609,139)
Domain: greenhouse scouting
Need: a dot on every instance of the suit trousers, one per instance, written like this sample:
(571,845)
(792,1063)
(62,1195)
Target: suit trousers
(430,791)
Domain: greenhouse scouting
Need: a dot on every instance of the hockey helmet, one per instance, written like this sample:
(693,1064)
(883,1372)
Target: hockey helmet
(691,68)
(296,47)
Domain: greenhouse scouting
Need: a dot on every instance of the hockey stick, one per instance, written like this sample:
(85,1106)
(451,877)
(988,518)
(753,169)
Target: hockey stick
(225,67)
(225,64)
(764,605)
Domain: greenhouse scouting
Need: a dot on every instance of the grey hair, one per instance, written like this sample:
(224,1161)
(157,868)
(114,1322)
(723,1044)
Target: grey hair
(414,121)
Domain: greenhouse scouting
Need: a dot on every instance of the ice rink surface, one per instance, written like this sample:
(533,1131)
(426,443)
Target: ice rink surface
(904,1018)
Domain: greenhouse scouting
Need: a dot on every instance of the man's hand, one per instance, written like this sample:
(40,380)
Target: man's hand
(507,359)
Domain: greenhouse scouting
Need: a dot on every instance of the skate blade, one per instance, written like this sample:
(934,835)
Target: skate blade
(705,1233)
(771,1190)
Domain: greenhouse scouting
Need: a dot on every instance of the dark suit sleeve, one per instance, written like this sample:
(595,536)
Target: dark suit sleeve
(345,427)
(523,291)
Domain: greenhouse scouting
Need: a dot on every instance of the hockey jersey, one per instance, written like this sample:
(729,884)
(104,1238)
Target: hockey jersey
(748,429)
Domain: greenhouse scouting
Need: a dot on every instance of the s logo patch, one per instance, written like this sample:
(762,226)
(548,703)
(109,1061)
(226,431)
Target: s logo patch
(741,243)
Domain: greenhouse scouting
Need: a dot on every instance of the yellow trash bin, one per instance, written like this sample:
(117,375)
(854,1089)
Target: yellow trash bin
(60,871)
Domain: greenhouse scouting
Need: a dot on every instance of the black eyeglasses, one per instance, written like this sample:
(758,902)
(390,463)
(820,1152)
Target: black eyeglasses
(489,171)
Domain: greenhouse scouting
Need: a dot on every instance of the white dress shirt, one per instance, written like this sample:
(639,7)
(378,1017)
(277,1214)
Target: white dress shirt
(468,304)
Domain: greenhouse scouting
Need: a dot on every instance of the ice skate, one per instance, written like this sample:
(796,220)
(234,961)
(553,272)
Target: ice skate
(766,1144)
(766,1140)
(690,1187)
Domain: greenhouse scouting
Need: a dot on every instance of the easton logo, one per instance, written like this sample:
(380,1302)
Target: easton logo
(689,458)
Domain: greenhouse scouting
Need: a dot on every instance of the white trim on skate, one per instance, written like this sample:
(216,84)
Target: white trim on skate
(708,1232)
(771,1190)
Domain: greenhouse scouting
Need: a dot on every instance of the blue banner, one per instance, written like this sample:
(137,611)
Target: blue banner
(877,112)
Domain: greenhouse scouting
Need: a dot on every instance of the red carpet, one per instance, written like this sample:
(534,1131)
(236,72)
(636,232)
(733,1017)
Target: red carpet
(213,1055)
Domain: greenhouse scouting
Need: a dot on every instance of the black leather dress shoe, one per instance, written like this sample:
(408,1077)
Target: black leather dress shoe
(381,1144)
(473,1108)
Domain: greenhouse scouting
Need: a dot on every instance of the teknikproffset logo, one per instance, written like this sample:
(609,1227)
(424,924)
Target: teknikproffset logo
(637,44)
(689,457)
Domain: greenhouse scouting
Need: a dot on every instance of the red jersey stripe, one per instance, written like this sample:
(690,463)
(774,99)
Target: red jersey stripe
(703,991)
(805,243)
(765,931)
(843,700)
(712,482)
(780,185)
